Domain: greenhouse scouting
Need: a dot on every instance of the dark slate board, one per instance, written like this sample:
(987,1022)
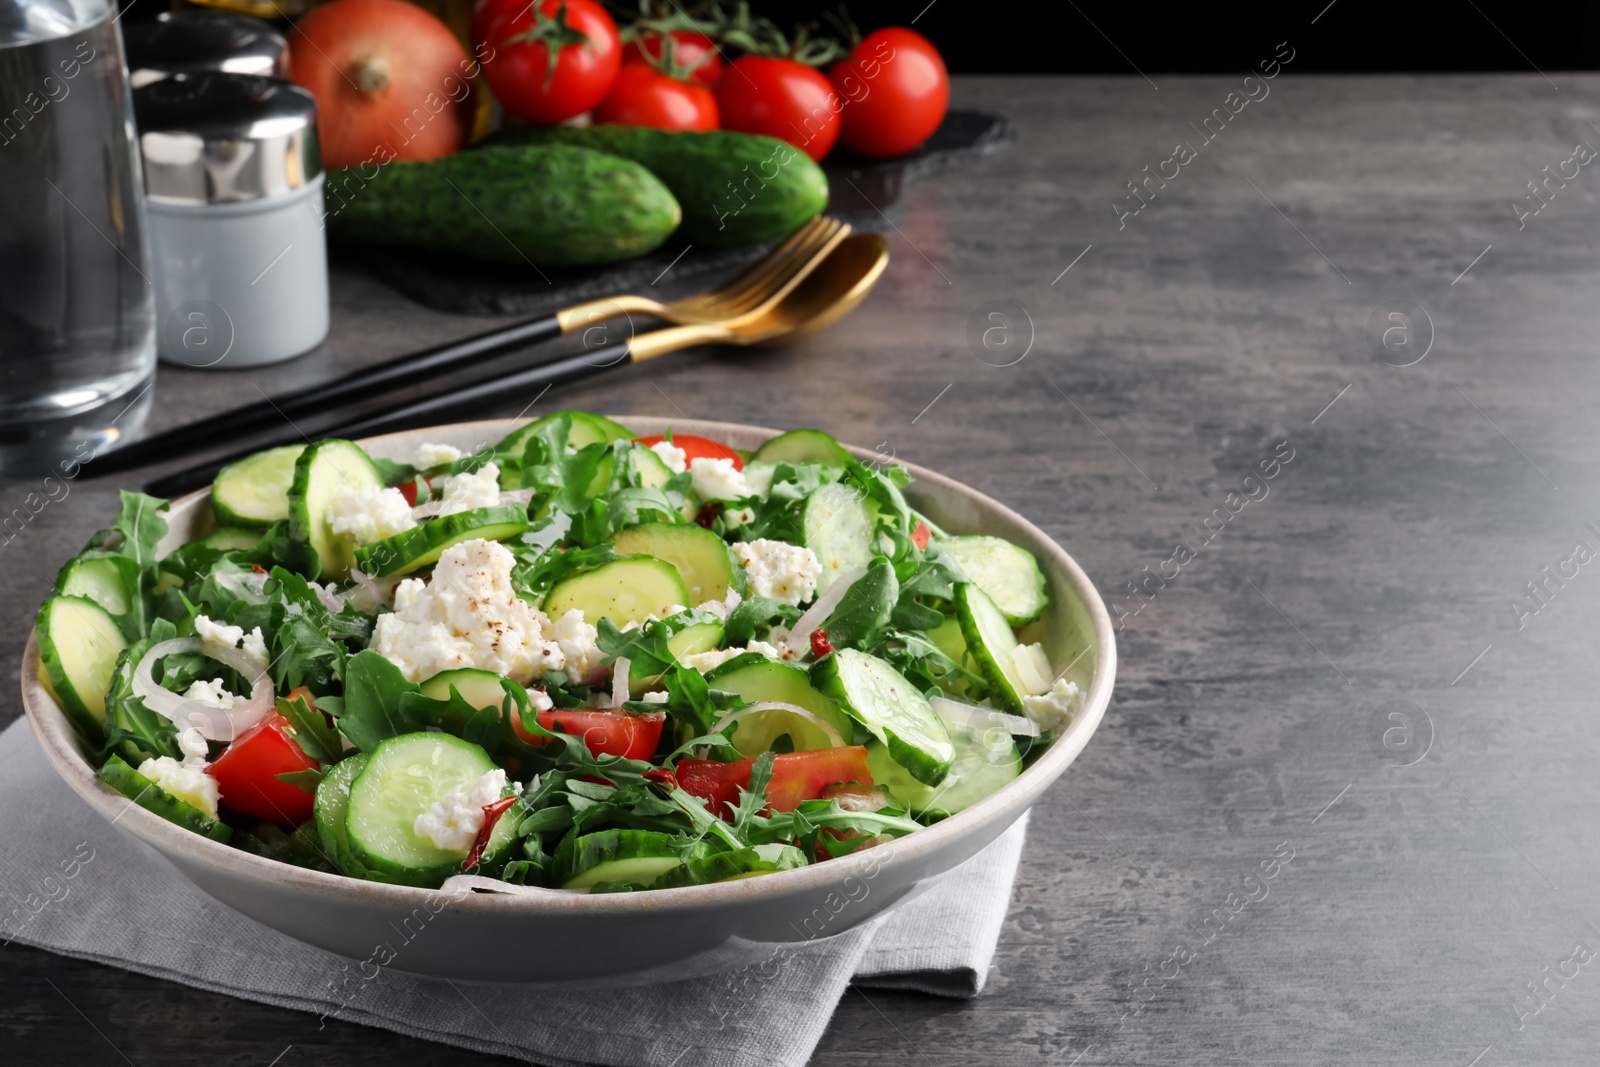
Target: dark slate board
(862,190)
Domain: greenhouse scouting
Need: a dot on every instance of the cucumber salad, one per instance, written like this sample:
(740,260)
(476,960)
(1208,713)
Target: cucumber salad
(576,659)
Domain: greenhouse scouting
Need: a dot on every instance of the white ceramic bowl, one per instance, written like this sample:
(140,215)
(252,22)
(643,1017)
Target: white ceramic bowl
(623,938)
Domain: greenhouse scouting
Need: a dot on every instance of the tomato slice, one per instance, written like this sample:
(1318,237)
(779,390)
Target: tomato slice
(696,448)
(247,774)
(796,776)
(920,536)
(412,489)
(606,733)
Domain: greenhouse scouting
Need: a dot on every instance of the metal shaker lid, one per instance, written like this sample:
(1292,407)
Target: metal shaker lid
(203,40)
(211,138)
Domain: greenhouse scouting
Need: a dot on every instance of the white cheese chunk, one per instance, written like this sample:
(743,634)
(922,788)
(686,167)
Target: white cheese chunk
(470,490)
(1054,709)
(717,479)
(676,459)
(453,821)
(210,693)
(429,456)
(368,513)
(216,635)
(778,569)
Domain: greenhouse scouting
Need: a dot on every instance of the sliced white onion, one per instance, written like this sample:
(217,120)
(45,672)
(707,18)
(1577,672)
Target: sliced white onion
(834,740)
(974,716)
(429,508)
(818,613)
(619,681)
(379,595)
(330,598)
(462,883)
(214,724)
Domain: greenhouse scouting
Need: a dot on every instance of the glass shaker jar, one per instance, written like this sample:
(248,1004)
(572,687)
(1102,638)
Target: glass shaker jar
(77,343)
(233,185)
(203,40)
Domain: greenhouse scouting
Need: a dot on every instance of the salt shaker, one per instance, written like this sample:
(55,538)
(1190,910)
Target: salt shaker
(234,195)
(203,40)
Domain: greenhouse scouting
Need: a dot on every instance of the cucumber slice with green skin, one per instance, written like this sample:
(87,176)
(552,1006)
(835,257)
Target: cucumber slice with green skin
(78,648)
(739,863)
(985,761)
(879,697)
(703,560)
(99,580)
(637,856)
(992,645)
(625,590)
(947,638)
(587,429)
(655,474)
(803,446)
(479,688)
(1007,572)
(321,471)
(835,525)
(755,678)
(331,808)
(232,539)
(686,641)
(116,773)
(421,546)
(403,778)
(255,490)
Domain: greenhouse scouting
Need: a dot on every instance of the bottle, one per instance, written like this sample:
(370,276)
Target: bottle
(77,331)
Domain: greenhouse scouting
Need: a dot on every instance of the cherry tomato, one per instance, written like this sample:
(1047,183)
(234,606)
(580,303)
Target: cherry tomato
(643,96)
(516,38)
(920,536)
(896,91)
(695,448)
(781,98)
(247,774)
(606,733)
(796,776)
(413,489)
(688,49)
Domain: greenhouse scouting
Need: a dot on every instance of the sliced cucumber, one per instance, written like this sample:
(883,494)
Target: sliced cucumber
(637,856)
(725,866)
(116,773)
(403,778)
(836,526)
(78,648)
(690,638)
(1007,572)
(947,638)
(587,429)
(421,546)
(99,580)
(755,678)
(232,539)
(881,699)
(803,446)
(255,490)
(481,689)
(331,809)
(992,645)
(321,471)
(625,590)
(705,562)
(985,761)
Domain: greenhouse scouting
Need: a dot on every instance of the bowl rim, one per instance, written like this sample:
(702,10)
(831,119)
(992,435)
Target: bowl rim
(56,735)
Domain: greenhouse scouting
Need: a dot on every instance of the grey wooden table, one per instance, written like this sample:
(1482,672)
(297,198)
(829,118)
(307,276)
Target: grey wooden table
(1342,807)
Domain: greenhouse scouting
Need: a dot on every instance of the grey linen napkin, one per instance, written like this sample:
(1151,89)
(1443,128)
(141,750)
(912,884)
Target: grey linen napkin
(73,884)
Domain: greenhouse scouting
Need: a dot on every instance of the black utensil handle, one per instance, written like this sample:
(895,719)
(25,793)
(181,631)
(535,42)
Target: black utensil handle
(361,384)
(530,382)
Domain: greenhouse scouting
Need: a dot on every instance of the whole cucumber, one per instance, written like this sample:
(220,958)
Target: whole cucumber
(735,188)
(554,204)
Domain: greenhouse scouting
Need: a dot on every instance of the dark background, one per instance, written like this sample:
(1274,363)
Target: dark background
(1158,37)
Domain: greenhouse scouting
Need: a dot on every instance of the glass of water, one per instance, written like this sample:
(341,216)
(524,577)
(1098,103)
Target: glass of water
(77,331)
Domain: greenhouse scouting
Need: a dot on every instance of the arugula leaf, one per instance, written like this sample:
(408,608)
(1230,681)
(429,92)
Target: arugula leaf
(535,576)
(865,608)
(129,546)
(753,798)
(305,780)
(373,710)
(805,826)
(311,731)
(393,473)
(754,614)
(132,730)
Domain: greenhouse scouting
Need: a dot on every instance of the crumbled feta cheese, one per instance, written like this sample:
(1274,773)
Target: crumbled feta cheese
(212,694)
(1033,668)
(368,513)
(707,661)
(467,616)
(717,479)
(758,476)
(724,607)
(430,456)
(540,700)
(453,821)
(469,490)
(676,459)
(1054,709)
(779,569)
(660,696)
(578,641)
(186,780)
(216,635)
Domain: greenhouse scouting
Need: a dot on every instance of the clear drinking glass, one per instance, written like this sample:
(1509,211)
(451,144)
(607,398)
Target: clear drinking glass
(77,331)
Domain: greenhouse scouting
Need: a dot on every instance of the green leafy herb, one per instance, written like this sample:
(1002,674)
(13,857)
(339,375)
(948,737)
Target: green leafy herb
(373,710)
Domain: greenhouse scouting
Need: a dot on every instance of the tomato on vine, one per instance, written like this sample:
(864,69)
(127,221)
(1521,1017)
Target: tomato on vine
(895,90)
(548,60)
(643,96)
(694,51)
(780,98)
